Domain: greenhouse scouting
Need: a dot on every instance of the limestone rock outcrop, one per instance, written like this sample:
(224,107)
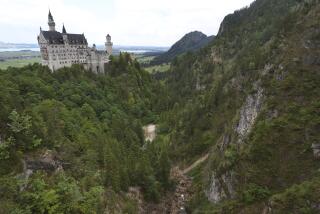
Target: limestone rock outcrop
(249,113)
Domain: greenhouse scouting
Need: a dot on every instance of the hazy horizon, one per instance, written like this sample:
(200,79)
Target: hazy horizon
(98,45)
(125,20)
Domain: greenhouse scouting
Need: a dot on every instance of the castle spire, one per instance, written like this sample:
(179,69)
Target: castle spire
(51,23)
(64,29)
(50,15)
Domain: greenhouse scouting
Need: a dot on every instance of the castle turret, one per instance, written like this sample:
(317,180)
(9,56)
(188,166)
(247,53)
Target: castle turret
(64,35)
(94,48)
(109,44)
(51,23)
(64,29)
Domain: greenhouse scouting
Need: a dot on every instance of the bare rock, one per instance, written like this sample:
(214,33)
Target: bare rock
(249,113)
(47,162)
(316,150)
(221,187)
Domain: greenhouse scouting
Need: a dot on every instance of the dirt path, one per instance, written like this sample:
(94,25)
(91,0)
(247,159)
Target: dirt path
(195,164)
(174,203)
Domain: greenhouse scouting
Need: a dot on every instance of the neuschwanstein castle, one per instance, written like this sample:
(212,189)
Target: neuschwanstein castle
(65,49)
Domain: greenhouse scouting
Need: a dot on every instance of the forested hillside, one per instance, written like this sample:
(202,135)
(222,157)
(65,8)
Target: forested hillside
(238,122)
(251,101)
(72,141)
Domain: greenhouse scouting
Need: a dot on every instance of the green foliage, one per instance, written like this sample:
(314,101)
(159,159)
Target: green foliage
(93,125)
(256,47)
(130,208)
(164,169)
(302,198)
(93,122)
(254,193)
(5,148)
(19,123)
(91,200)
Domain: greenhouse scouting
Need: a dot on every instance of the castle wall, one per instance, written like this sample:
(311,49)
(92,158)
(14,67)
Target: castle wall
(96,61)
(57,56)
(61,55)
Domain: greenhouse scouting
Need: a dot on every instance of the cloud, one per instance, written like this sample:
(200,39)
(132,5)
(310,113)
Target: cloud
(164,22)
(139,22)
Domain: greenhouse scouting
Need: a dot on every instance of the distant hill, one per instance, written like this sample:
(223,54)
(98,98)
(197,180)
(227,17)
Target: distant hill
(146,50)
(4,45)
(192,41)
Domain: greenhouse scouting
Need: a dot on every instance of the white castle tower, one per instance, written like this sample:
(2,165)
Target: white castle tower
(109,44)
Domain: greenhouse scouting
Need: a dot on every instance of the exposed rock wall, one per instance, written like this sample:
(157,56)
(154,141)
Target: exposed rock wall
(46,161)
(249,113)
(222,185)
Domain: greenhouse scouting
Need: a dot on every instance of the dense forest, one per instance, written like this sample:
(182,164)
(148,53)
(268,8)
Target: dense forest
(71,141)
(247,105)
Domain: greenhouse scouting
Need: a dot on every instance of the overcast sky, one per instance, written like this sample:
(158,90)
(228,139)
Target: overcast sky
(129,22)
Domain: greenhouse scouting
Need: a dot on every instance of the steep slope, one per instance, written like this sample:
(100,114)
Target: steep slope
(192,41)
(71,141)
(251,99)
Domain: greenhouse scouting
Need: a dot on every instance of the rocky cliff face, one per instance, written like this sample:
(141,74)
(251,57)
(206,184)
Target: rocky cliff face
(249,113)
(223,186)
(259,83)
(220,187)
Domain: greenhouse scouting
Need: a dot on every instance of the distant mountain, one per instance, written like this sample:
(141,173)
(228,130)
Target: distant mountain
(192,41)
(152,50)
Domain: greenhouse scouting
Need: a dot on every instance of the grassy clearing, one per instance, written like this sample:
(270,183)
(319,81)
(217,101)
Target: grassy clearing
(145,62)
(18,54)
(158,68)
(144,59)
(18,62)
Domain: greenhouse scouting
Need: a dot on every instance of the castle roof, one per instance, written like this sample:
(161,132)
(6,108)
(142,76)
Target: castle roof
(55,37)
(76,38)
